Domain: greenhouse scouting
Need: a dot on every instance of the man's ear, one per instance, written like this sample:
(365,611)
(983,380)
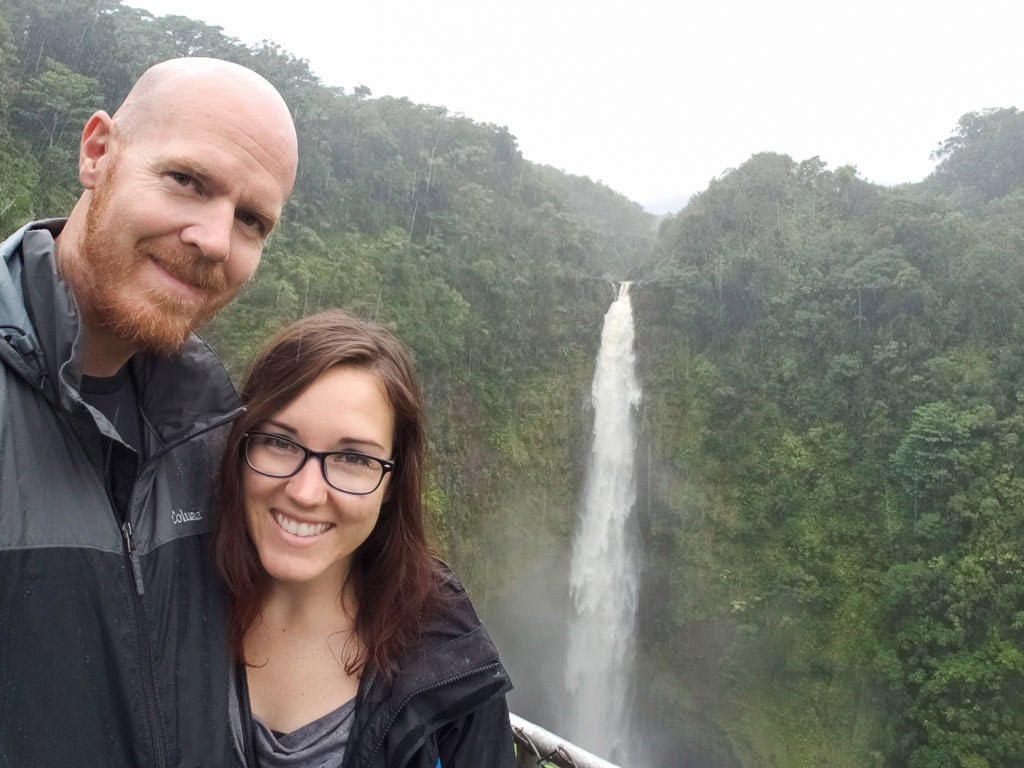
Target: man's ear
(94,148)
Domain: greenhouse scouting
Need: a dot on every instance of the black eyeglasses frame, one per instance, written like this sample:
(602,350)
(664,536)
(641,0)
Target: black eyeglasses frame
(385,465)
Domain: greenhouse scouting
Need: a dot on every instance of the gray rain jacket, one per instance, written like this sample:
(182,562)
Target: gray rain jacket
(112,621)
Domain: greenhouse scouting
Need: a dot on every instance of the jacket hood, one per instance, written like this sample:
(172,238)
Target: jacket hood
(22,348)
(39,330)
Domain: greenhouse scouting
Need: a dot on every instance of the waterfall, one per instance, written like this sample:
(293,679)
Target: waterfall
(603,580)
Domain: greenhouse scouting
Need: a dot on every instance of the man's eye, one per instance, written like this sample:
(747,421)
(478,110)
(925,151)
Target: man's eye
(251,221)
(182,179)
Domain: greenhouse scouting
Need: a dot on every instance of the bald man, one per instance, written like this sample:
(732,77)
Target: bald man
(112,647)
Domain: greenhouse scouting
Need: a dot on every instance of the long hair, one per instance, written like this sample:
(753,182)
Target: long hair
(393,574)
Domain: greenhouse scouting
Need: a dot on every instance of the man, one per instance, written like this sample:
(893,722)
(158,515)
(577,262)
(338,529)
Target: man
(112,647)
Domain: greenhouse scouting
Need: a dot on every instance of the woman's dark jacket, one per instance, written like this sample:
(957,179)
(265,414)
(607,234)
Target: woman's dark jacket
(445,705)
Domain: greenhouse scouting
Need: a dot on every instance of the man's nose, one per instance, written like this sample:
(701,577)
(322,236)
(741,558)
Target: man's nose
(211,232)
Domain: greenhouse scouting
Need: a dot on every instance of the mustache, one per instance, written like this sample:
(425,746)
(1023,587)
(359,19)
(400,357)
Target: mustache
(188,267)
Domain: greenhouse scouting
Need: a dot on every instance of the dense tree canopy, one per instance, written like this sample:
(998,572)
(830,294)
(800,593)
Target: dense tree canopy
(985,154)
(835,420)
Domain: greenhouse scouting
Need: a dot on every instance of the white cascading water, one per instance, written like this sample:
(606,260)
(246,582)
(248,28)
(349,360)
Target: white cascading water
(603,581)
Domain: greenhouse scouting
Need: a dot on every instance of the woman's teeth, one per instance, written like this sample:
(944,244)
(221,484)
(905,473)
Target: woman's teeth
(301,529)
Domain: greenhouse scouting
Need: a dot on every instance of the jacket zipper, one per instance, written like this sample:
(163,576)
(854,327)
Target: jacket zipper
(142,626)
(133,565)
(417,692)
(249,757)
(361,695)
(133,557)
(145,653)
(225,419)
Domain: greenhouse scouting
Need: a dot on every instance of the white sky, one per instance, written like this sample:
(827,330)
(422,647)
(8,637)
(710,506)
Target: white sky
(656,97)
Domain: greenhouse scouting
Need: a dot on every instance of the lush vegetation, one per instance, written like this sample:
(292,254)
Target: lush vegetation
(832,501)
(835,521)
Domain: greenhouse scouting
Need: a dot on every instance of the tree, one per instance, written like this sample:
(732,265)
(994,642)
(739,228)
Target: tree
(55,104)
(984,154)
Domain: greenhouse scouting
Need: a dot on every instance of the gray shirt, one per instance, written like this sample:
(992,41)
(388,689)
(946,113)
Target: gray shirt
(319,744)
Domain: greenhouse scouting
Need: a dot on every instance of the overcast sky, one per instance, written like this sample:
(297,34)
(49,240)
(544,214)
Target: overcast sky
(657,97)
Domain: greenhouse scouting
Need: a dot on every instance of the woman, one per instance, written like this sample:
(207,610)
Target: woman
(357,648)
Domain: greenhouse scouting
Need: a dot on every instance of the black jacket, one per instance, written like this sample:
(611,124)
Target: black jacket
(444,706)
(112,641)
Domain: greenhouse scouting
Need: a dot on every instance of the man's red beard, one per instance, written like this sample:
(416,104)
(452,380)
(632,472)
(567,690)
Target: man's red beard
(147,318)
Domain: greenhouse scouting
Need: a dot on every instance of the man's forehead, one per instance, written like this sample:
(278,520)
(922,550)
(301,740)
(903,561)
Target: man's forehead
(229,104)
(220,157)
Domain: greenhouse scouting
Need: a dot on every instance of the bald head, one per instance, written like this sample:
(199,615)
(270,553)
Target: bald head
(212,88)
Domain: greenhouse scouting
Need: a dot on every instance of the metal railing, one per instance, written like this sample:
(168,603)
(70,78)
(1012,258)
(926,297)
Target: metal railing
(540,747)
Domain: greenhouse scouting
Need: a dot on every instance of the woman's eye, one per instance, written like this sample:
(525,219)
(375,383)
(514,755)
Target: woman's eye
(353,459)
(278,444)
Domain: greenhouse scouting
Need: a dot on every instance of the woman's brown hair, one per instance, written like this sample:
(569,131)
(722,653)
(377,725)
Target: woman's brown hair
(393,575)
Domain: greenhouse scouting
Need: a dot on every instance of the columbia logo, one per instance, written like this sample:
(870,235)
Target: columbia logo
(179,516)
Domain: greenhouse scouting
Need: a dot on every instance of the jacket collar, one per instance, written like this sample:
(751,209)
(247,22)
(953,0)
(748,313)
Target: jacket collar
(39,329)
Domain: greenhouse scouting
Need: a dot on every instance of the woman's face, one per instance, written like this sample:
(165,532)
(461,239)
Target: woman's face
(304,530)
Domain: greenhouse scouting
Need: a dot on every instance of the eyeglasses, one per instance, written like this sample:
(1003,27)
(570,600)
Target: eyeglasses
(346,471)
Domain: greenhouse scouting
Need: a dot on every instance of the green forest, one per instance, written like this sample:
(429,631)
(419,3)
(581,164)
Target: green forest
(831,495)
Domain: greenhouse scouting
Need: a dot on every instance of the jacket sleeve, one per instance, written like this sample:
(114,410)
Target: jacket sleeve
(482,739)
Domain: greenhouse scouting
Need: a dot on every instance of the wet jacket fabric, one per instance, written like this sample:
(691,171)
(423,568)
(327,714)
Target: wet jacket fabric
(444,706)
(112,621)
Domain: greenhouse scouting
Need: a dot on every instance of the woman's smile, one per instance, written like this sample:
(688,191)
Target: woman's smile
(298,528)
